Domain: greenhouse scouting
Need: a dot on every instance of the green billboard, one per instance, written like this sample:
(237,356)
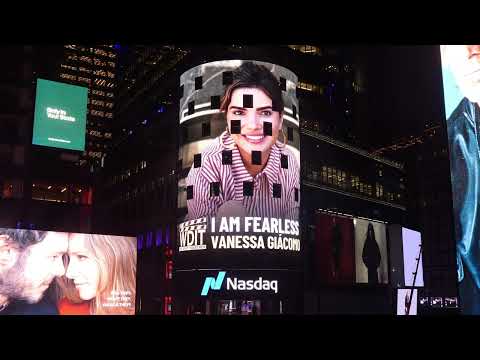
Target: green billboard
(60,115)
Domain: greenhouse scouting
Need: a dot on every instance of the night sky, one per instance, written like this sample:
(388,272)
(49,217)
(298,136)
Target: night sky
(404,91)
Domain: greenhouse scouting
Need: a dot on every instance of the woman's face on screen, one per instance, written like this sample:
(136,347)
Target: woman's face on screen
(83,269)
(252,120)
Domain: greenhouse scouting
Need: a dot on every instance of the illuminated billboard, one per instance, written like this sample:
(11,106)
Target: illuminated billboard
(461,88)
(334,249)
(59,273)
(60,115)
(407,301)
(405,247)
(237,283)
(371,262)
(240,194)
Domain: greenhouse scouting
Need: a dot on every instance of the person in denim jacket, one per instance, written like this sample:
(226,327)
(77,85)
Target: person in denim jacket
(463,136)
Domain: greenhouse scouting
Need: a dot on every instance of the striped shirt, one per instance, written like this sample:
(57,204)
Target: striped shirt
(232,177)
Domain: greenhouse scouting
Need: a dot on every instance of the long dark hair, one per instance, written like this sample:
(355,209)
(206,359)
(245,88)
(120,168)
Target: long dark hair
(254,76)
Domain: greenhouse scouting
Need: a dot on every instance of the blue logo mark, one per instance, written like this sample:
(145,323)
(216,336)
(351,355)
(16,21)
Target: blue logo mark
(211,283)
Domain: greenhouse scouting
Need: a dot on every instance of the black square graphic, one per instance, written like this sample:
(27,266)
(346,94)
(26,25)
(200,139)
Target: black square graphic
(296,194)
(276,106)
(248,188)
(277,190)
(227,157)
(256,157)
(294,111)
(189,192)
(180,92)
(198,83)
(235,126)
(184,134)
(215,102)
(267,128)
(284,161)
(197,160)
(227,77)
(283,84)
(247,101)
(290,134)
(206,129)
(191,108)
(214,189)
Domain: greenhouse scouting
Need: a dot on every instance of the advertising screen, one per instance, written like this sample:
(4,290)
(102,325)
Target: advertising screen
(239,151)
(58,273)
(407,301)
(412,258)
(405,246)
(371,262)
(334,250)
(461,89)
(60,115)
(232,284)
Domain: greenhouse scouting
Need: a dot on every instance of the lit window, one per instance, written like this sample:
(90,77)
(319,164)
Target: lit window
(97,113)
(63,66)
(100,72)
(98,102)
(85,70)
(168,269)
(84,79)
(100,82)
(100,52)
(356,87)
(310,87)
(68,76)
(95,154)
(86,59)
(306,49)
(98,62)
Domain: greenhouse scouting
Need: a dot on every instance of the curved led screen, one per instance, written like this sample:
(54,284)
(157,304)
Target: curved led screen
(239,190)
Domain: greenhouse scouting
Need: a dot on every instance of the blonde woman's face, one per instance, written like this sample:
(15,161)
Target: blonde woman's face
(251,137)
(83,269)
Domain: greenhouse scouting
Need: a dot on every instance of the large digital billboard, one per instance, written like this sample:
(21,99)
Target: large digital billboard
(240,194)
(405,247)
(60,115)
(58,273)
(334,249)
(461,88)
(371,260)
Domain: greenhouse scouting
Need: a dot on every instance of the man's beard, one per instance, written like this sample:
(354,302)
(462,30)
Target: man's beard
(15,286)
(470,89)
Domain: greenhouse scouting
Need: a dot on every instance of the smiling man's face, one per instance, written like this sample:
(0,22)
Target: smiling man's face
(464,61)
(36,268)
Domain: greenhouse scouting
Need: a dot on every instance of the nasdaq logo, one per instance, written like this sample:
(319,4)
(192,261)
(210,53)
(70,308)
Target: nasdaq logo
(238,285)
(211,283)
